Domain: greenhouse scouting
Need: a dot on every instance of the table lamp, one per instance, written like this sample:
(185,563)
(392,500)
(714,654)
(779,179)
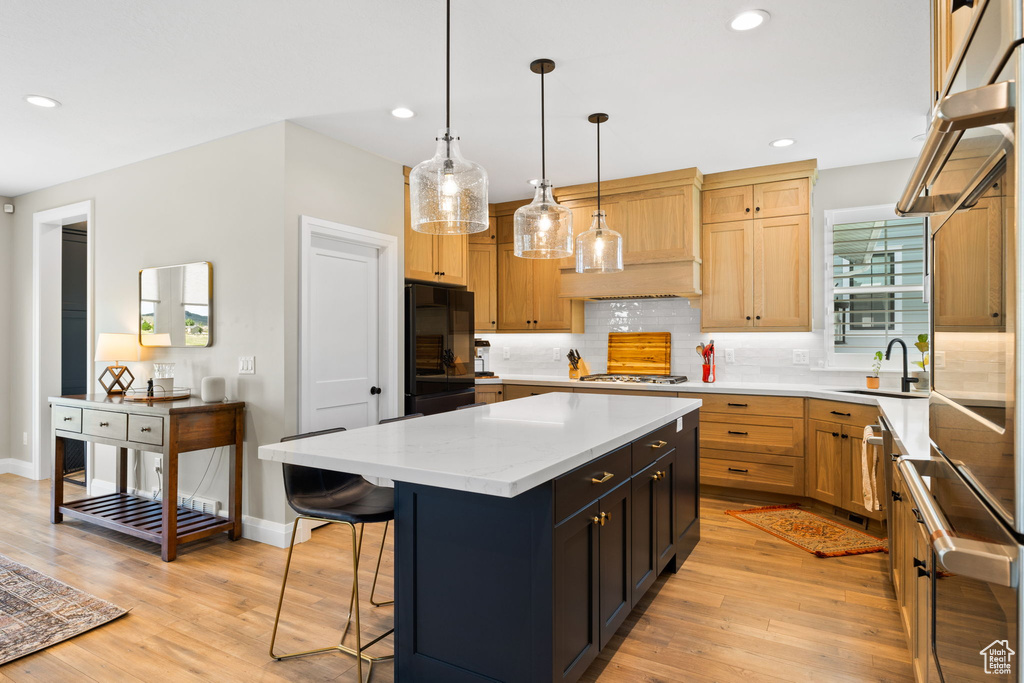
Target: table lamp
(116,348)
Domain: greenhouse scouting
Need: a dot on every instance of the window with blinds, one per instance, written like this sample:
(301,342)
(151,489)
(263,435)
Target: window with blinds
(877,283)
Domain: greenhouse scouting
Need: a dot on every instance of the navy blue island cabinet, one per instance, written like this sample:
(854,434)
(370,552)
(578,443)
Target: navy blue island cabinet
(531,588)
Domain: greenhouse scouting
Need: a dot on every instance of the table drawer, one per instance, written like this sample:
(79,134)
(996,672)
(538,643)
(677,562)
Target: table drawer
(67,419)
(146,429)
(737,404)
(575,489)
(106,424)
(845,413)
(756,471)
(774,435)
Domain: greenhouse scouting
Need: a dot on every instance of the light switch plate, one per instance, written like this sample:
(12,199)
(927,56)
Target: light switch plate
(506,353)
(556,353)
(247,365)
(801,357)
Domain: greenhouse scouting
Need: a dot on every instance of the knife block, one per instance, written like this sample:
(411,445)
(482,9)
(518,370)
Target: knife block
(582,369)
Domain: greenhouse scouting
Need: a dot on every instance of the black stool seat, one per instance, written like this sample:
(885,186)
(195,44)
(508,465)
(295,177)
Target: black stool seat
(337,496)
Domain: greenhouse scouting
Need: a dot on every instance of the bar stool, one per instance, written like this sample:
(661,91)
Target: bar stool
(333,497)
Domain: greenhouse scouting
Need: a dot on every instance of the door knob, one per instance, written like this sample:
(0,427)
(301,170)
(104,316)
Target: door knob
(375,390)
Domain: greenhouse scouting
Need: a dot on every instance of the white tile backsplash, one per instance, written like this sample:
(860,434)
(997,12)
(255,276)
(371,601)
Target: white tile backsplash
(763,357)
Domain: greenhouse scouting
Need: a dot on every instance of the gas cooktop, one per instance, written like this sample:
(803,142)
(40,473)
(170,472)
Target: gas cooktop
(636,379)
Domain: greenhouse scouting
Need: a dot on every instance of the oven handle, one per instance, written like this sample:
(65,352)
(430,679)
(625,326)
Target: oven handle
(976,108)
(974,559)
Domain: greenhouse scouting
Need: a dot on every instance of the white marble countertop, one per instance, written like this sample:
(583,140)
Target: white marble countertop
(907,416)
(502,449)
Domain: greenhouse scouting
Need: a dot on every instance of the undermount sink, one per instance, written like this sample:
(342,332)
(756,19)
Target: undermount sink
(883,394)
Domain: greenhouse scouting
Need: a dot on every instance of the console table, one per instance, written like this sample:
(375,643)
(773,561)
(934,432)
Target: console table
(168,428)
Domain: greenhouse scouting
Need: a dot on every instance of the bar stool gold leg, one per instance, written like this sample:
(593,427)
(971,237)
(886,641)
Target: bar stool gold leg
(376,572)
(353,607)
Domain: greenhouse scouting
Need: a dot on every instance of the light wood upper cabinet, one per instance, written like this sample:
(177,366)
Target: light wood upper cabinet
(969,269)
(728,275)
(515,291)
(488,237)
(757,265)
(482,280)
(782,198)
(550,313)
(782,272)
(433,258)
(727,204)
(451,256)
(658,226)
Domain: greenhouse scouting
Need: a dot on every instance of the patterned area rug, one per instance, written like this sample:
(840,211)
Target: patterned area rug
(37,611)
(812,532)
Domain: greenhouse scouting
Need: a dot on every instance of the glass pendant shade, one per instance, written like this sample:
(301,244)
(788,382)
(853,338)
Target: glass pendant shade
(543,228)
(447,192)
(599,250)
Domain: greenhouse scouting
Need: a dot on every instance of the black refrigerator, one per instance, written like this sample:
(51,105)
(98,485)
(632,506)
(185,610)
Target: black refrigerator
(439,336)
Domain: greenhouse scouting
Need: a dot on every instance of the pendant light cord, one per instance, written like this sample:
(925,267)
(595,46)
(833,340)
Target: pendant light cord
(543,159)
(448,66)
(599,165)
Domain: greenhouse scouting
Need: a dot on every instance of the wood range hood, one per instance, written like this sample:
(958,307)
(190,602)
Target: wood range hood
(658,216)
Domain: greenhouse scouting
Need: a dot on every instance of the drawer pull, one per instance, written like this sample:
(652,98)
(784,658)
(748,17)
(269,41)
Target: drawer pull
(606,477)
(146,429)
(659,444)
(68,418)
(737,405)
(836,412)
(740,433)
(896,496)
(658,476)
(104,424)
(735,469)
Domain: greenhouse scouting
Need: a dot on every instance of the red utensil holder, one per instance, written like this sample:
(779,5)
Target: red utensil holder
(708,373)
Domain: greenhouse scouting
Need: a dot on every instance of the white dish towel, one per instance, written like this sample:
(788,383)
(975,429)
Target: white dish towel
(869,469)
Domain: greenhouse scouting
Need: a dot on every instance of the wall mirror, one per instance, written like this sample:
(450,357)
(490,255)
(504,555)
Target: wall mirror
(176,305)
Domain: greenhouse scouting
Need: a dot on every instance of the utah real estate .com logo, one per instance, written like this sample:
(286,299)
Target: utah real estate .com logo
(997,658)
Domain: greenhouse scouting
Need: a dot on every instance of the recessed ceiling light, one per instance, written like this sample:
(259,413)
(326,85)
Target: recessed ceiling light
(42,101)
(403,113)
(744,21)
(781,142)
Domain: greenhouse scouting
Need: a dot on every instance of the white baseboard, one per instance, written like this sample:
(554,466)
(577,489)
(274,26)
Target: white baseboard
(22,468)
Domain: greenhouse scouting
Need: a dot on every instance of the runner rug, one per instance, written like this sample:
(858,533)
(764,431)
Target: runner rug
(810,531)
(37,611)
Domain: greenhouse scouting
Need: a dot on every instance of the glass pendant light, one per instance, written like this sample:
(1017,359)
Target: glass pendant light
(448,193)
(599,250)
(543,228)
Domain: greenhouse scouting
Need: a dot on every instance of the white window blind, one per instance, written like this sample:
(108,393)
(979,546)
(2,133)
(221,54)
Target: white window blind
(877,283)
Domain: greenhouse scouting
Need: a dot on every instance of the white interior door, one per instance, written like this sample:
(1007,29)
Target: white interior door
(342,328)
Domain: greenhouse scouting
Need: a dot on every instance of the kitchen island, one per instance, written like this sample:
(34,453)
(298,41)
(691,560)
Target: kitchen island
(527,530)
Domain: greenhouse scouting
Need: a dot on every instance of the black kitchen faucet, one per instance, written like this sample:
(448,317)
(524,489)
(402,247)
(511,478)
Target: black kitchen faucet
(906,380)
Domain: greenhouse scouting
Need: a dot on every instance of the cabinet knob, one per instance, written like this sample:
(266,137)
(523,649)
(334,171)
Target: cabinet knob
(921,571)
(835,433)
(896,496)
(599,520)
(757,317)
(442,272)
(995,315)
(747,210)
(846,436)
(748,317)
(499,393)
(534,322)
(757,208)
(607,516)
(494,322)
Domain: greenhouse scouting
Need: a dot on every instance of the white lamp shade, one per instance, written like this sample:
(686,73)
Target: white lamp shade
(158,339)
(117,347)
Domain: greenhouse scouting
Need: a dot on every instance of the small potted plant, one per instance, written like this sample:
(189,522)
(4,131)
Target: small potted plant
(922,376)
(876,366)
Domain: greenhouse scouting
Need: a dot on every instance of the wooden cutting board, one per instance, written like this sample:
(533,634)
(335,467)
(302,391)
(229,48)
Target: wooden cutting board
(640,353)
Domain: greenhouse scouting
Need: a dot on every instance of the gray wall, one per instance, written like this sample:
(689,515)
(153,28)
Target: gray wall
(234,202)
(6,285)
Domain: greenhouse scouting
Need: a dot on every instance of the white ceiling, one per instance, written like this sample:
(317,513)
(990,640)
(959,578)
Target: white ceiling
(139,78)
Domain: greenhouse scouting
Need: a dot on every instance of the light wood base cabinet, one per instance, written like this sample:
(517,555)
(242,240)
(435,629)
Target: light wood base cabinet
(489,393)
(834,439)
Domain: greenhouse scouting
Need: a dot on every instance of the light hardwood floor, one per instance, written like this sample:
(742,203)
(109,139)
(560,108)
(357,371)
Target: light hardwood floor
(745,607)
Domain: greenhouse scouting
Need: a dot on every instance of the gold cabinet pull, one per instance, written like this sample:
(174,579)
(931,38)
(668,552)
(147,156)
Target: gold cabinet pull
(657,476)
(607,516)
(598,521)
(659,444)
(606,477)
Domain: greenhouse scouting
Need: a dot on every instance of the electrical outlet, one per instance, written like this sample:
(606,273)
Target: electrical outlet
(506,353)
(247,365)
(158,463)
(730,355)
(556,353)
(801,357)
(24,438)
